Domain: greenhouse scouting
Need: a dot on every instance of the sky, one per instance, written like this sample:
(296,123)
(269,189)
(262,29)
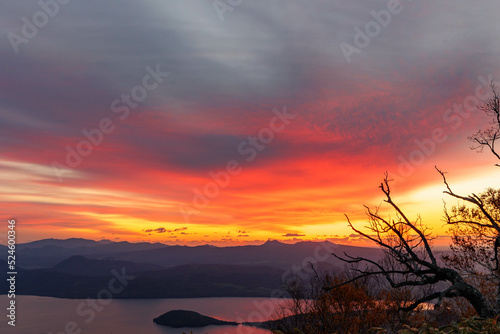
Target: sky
(234,122)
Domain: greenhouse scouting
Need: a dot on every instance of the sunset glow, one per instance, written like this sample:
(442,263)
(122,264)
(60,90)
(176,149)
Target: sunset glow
(260,130)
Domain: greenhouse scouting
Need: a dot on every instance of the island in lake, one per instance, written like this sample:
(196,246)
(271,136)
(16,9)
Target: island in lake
(181,318)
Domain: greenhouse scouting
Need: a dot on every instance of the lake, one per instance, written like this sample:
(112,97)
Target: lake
(48,315)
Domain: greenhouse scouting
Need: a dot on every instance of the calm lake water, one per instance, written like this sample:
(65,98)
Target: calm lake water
(37,315)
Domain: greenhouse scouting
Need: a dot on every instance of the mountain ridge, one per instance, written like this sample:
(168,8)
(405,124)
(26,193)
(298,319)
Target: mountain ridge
(271,253)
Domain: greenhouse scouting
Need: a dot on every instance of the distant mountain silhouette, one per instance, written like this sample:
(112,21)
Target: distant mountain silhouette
(271,253)
(79,265)
(79,268)
(271,242)
(48,252)
(65,243)
(82,243)
(66,280)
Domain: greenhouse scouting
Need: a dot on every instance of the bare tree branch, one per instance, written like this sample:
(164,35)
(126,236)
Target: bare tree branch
(413,262)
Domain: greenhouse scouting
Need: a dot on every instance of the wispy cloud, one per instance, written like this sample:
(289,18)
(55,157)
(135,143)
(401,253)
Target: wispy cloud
(288,235)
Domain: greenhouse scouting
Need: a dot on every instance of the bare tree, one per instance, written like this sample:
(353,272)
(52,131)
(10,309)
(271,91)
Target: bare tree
(487,138)
(475,225)
(407,244)
(475,221)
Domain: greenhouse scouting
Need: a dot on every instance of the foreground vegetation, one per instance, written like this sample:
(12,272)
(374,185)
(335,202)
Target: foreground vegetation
(471,325)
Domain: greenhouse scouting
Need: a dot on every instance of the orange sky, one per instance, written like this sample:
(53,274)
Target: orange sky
(300,196)
(297,136)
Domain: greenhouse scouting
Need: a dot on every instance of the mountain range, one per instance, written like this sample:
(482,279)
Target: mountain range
(80,268)
(49,252)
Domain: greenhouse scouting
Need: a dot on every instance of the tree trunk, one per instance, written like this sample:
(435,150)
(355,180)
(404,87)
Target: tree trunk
(498,299)
(476,298)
